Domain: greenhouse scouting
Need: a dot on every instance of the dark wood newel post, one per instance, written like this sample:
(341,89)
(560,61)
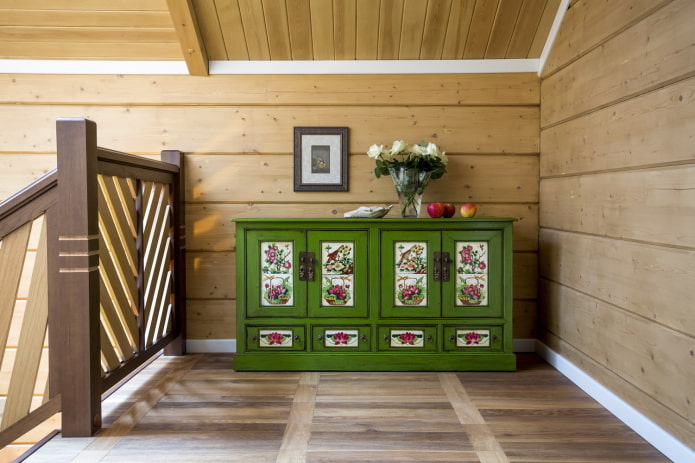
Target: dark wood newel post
(178,224)
(77,314)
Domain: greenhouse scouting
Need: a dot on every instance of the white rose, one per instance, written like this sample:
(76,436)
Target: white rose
(398,146)
(443,158)
(375,150)
(417,150)
(432,150)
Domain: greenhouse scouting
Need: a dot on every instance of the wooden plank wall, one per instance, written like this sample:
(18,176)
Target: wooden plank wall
(237,133)
(617,202)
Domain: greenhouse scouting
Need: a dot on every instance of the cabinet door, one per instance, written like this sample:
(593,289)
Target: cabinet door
(273,288)
(408,288)
(339,287)
(475,283)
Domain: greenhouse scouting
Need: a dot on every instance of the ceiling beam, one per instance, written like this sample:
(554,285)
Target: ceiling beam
(192,45)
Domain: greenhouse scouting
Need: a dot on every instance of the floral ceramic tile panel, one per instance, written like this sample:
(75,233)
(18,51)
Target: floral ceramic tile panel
(276,257)
(410,273)
(411,290)
(337,273)
(338,258)
(471,273)
(407,338)
(276,273)
(411,257)
(471,290)
(341,338)
(275,338)
(471,257)
(472,338)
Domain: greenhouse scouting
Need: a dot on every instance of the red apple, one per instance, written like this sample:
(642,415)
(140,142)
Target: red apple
(449,210)
(435,210)
(468,210)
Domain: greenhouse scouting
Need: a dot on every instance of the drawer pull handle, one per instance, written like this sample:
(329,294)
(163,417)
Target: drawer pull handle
(429,338)
(296,337)
(320,337)
(493,338)
(452,338)
(255,338)
(386,337)
(363,337)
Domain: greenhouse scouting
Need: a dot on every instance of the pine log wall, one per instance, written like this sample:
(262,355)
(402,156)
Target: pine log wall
(237,135)
(617,203)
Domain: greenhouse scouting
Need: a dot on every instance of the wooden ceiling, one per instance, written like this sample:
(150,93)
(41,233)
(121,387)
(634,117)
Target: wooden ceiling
(261,30)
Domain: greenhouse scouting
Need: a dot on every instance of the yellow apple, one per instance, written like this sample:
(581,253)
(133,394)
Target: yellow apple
(468,210)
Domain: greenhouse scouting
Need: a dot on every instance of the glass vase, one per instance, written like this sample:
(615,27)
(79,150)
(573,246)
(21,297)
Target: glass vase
(410,185)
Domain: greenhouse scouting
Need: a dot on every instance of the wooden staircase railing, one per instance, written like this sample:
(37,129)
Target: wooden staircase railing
(107,290)
(30,394)
(120,288)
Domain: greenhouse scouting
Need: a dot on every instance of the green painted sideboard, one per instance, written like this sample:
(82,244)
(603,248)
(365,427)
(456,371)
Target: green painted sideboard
(374,294)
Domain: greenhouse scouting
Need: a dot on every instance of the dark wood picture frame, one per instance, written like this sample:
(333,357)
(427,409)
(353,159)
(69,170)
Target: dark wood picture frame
(320,159)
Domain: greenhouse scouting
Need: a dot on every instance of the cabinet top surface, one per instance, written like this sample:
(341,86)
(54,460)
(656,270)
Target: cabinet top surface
(377,222)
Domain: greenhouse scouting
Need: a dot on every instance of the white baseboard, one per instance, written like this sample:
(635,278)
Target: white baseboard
(650,431)
(208,346)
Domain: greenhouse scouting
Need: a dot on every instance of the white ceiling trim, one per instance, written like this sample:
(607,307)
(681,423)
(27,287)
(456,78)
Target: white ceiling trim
(29,66)
(552,35)
(9,66)
(375,66)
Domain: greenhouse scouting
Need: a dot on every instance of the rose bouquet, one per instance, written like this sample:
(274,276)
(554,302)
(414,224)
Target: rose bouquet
(421,157)
(410,167)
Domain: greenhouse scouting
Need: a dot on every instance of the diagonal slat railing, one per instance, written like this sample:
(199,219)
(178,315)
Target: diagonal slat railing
(28,394)
(121,267)
(118,272)
(92,260)
(157,247)
(31,341)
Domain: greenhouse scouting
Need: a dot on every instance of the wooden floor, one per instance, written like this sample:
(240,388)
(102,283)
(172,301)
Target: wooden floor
(197,409)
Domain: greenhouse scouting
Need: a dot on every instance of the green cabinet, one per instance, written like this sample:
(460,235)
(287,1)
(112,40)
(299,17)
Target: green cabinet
(374,294)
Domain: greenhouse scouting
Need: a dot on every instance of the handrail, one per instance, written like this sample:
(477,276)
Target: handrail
(117,157)
(26,200)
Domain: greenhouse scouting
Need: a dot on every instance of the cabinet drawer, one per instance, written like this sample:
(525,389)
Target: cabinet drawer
(408,338)
(473,338)
(275,337)
(341,338)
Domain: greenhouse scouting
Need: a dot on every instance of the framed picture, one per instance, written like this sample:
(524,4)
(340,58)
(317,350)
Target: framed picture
(320,159)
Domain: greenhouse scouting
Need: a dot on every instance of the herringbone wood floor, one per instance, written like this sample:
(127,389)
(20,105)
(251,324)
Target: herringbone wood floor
(198,409)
